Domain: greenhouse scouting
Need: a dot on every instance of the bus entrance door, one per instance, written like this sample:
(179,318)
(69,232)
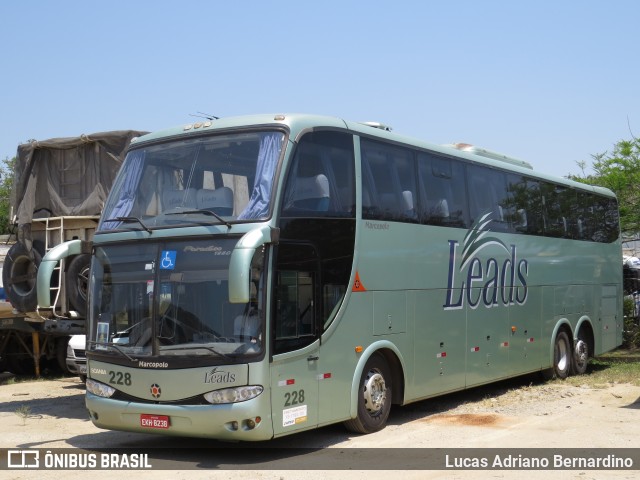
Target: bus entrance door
(294,368)
(294,387)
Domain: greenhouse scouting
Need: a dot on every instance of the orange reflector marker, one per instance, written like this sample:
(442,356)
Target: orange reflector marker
(359,349)
(357,284)
(513,329)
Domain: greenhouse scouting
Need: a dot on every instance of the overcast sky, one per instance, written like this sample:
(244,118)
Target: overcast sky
(548,81)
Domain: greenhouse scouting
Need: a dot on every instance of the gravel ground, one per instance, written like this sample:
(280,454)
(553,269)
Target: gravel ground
(520,413)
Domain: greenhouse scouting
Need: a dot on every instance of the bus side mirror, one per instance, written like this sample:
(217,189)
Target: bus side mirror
(240,262)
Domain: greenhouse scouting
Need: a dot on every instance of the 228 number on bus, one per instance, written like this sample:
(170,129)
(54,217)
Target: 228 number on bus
(293,398)
(119,378)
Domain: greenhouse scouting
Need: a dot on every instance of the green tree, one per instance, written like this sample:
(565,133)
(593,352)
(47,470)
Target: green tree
(619,171)
(6,183)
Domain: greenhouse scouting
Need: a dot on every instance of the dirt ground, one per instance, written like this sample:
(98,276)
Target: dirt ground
(520,413)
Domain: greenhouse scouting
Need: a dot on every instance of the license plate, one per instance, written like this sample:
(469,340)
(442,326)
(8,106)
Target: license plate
(154,421)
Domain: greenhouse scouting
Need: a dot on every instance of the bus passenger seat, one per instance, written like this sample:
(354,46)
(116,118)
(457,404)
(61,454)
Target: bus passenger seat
(441,209)
(581,228)
(407,200)
(178,198)
(219,201)
(312,193)
(522,219)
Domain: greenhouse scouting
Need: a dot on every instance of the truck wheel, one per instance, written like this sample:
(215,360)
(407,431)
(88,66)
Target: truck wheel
(61,353)
(20,275)
(77,283)
(18,359)
(374,397)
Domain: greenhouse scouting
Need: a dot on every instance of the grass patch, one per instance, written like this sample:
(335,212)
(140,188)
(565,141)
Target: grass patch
(23,411)
(621,366)
(10,379)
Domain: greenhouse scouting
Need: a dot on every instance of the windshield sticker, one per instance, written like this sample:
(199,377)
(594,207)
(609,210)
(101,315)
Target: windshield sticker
(168,261)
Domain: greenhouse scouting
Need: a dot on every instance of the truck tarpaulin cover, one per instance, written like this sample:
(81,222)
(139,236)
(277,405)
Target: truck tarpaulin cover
(67,176)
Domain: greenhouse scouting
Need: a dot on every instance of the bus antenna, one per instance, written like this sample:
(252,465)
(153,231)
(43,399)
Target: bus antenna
(205,115)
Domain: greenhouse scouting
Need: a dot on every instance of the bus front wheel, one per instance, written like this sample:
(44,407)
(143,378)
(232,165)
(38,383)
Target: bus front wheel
(374,397)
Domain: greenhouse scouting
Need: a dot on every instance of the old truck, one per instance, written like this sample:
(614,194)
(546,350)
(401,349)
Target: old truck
(59,189)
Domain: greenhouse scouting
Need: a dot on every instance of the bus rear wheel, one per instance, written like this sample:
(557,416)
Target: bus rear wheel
(562,356)
(374,397)
(580,356)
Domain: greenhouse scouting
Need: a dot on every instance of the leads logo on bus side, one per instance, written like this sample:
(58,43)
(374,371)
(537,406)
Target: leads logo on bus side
(492,282)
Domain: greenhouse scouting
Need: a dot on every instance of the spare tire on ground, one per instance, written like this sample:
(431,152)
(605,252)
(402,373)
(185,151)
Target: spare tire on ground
(20,275)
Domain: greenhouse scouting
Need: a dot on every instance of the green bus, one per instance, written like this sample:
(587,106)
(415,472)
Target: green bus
(257,276)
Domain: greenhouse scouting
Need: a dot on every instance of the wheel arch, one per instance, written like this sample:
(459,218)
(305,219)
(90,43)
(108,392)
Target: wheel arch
(584,329)
(396,364)
(562,325)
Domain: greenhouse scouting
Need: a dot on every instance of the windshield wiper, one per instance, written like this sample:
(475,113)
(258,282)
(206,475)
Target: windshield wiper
(115,347)
(195,347)
(129,220)
(203,212)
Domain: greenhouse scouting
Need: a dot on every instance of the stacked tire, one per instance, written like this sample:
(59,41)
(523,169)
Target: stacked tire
(20,275)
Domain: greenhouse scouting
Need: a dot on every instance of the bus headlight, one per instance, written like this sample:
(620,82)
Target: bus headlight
(99,389)
(233,395)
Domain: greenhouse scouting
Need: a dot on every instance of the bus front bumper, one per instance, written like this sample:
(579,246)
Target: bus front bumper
(245,421)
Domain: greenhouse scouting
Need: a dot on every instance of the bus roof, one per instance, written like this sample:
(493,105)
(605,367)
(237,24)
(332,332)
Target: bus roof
(298,124)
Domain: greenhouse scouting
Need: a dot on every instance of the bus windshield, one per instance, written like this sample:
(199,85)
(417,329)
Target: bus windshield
(204,180)
(170,299)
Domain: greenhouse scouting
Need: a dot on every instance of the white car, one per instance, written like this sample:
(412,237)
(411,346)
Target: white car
(76,356)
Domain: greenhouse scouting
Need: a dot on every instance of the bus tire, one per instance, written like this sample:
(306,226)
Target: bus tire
(374,397)
(562,356)
(580,356)
(77,283)
(20,275)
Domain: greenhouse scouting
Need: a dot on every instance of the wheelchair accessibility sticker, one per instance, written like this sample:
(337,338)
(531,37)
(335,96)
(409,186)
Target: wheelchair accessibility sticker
(168,260)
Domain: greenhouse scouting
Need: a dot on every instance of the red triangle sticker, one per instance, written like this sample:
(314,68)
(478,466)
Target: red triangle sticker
(357,284)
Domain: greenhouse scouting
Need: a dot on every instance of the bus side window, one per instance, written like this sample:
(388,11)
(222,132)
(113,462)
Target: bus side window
(389,184)
(559,211)
(321,181)
(443,191)
(606,227)
(524,205)
(488,195)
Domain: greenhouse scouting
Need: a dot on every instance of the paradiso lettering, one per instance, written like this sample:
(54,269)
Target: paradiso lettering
(492,282)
